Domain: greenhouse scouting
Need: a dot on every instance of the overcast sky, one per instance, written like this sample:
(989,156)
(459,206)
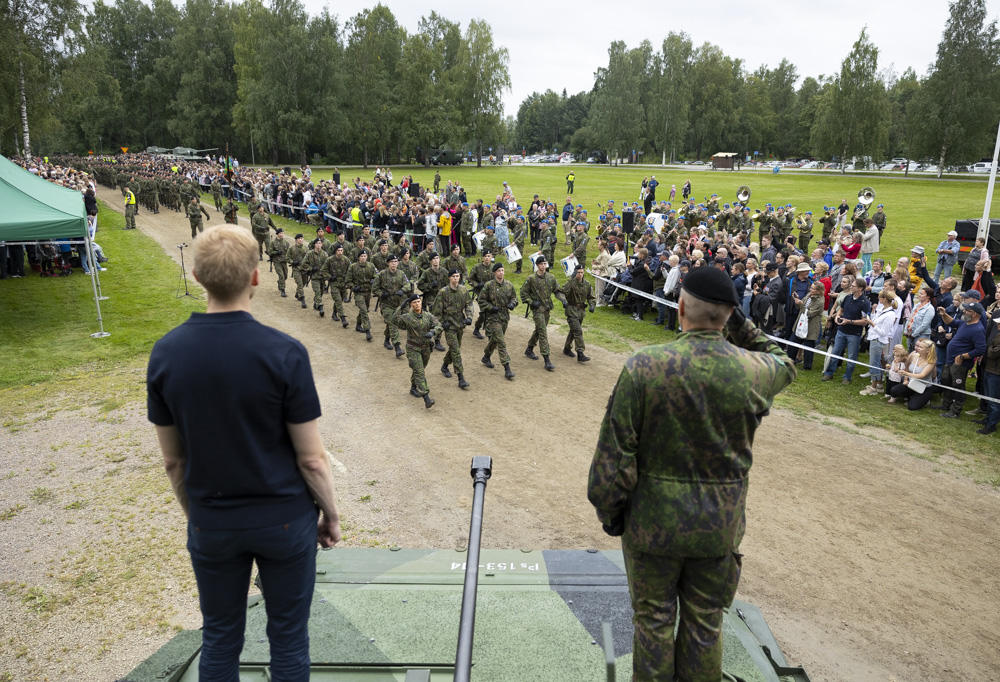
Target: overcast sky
(556,45)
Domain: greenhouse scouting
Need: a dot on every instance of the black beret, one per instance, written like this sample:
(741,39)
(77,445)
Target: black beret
(541,259)
(411,298)
(577,269)
(299,236)
(455,247)
(454,271)
(382,242)
(770,267)
(337,246)
(711,285)
(497,266)
(279,230)
(391,257)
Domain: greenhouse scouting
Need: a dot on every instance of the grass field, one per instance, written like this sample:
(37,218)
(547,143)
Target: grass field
(46,344)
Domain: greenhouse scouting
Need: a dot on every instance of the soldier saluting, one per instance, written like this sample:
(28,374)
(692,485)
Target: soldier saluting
(670,476)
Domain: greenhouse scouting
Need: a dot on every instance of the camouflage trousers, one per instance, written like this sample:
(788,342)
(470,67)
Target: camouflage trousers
(702,588)
(317,285)
(804,243)
(130,217)
(337,295)
(453,337)
(218,200)
(540,336)
(197,225)
(363,299)
(263,242)
(389,316)
(281,270)
(301,280)
(468,249)
(495,329)
(574,316)
(418,359)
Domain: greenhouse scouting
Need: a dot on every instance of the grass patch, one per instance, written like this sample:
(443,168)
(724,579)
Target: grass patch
(42,495)
(11,512)
(48,321)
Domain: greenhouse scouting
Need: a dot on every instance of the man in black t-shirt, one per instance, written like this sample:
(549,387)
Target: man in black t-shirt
(236,410)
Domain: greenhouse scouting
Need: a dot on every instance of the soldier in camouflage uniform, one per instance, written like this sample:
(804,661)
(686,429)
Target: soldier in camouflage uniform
(430,283)
(497,299)
(670,476)
(381,258)
(518,231)
(549,239)
(229,212)
(312,265)
(480,275)
(467,225)
(296,253)
(580,241)
(580,297)
(806,232)
(194,213)
(490,242)
(453,307)
(277,251)
(217,194)
(391,286)
(537,292)
(335,273)
(421,328)
(408,267)
(260,225)
(359,280)
(828,221)
(455,261)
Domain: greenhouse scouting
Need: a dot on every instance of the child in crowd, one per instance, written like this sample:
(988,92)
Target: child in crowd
(898,363)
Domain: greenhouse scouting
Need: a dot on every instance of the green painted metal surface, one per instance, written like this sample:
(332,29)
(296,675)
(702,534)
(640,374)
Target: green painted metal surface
(377,614)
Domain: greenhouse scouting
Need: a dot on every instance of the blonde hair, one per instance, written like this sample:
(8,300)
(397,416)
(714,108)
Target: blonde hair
(225,257)
(899,350)
(889,297)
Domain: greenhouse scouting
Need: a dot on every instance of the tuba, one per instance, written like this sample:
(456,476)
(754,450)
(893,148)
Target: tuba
(865,198)
(743,195)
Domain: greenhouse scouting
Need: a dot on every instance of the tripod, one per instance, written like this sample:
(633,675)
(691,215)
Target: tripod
(183,276)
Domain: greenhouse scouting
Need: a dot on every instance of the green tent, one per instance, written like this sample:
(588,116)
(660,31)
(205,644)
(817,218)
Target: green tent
(36,209)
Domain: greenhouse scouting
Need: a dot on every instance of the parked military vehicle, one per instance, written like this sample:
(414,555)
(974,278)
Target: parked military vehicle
(394,614)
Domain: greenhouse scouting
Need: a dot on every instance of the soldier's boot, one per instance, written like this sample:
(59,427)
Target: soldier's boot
(530,352)
(580,357)
(386,344)
(368,335)
(507,374)
(462,383)
(438,346)
(548,363)
(343,321)
(486,361)
(303,301)
(399,351)
(358,328)
(283,294)
(414,392)
(518,270)
(567,351)
(428,401)
(478,334)
(445,371)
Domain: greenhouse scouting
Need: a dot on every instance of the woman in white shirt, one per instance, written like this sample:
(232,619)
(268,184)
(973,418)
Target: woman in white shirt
(881,324)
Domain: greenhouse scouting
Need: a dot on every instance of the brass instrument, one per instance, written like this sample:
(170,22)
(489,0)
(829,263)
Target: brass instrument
(865,198)
(743,195)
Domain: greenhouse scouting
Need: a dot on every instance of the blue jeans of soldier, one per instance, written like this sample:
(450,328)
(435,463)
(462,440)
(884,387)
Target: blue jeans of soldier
(852,344)
(992,387)
(222,561)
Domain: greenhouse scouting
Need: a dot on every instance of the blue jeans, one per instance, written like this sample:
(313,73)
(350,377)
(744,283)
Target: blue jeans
(222,561)
(943,267)
(850,342)
(876,356)
(991,384)
(866,259)
(746,303)
(661,308)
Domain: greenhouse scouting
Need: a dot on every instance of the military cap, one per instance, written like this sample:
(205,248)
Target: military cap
(280,229)
(497,266)
(337,246)
(711,285)
(381,242)
(541,259)
(455,247)
(490,228)
(577,269)
(411,298)
(454,271)
(363,252)
(435,255)
(770,267)
(391,258)
(809,212)
(300,236)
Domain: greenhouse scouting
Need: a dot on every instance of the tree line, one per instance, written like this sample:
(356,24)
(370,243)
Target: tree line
(272,81)
(683,101)
(269,80)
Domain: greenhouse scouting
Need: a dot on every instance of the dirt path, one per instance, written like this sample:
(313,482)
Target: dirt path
(868,563)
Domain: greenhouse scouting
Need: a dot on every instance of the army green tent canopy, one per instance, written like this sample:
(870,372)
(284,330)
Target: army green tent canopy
(35,209)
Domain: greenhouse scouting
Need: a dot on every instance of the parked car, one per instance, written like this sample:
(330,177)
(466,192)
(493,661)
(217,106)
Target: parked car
(982,167)
(567,159)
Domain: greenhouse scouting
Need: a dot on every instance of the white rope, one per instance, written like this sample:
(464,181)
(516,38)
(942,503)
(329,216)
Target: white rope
(786,342)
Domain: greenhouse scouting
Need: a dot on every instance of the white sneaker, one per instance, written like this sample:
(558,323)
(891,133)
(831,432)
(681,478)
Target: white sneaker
(866,375)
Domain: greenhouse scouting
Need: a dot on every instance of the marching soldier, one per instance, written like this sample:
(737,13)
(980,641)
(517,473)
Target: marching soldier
(335,273)
(580,241)
(229,212)
(381,258)
(217,194)
(430,283)
(260,225)
(453,308)
(467,226)
(408,267)
(537,292)
(359,279)
(194,213)
(490,242)
(421,328)
(580,298)
(391,286)
(437,181)
(312,263)
(277,251)
(455,261)
(296,253)
(549,239)
(497,299)
(480,275)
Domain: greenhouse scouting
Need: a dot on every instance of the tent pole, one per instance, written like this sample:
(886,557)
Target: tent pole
(93,281)
(93,259)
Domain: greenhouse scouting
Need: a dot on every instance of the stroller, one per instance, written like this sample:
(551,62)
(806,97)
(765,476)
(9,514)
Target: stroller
(617,297)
